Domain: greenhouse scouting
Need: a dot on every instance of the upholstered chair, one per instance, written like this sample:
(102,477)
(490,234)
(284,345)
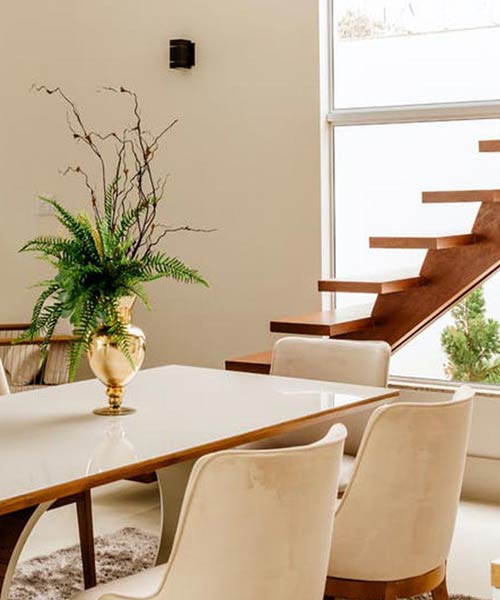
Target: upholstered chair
(255,524)
(343,361)
(4,386)
(346,361)
(394,525)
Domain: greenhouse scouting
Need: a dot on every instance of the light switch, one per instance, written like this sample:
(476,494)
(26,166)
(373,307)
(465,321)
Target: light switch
(44,209)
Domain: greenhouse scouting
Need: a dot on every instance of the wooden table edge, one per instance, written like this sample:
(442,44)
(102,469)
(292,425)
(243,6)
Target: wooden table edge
(495,573)
(77,486)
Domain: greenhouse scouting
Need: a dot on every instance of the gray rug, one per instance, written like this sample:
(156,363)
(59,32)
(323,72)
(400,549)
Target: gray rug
(58,576)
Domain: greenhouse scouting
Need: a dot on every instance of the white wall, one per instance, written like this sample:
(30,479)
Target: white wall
(244,158)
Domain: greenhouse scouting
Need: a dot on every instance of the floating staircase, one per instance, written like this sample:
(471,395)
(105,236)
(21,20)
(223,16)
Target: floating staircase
(369,286)
(253,363)
(489,146)
(424,243)
(329,323)
(461,196)
(453,266)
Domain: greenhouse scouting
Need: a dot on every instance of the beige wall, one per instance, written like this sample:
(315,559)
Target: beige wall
(244,158)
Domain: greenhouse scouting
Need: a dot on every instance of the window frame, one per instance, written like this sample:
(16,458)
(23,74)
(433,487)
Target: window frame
(365,116)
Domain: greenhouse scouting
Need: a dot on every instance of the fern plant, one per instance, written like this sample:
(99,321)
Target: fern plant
(112,253)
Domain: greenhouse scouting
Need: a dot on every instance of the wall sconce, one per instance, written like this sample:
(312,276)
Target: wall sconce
(182,54)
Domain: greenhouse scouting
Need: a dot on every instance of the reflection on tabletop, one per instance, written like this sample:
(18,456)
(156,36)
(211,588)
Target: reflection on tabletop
(112,449)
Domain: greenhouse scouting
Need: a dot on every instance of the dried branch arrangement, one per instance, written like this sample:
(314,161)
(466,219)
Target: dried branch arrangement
(113,251)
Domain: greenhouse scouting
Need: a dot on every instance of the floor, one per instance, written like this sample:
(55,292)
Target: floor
(475,545)
(115,506)
(476,542)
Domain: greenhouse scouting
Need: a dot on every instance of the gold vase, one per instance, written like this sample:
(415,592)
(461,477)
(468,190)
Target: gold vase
(111,366)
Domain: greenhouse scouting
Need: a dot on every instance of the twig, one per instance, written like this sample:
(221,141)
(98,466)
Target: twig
(84,135)
(82,173)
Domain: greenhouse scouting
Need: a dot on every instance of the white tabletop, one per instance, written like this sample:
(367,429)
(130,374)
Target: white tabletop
(52,445)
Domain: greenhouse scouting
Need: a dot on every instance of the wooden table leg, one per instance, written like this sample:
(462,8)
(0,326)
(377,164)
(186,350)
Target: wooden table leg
(83,503)
(172,482)
(14,532)
(86,531)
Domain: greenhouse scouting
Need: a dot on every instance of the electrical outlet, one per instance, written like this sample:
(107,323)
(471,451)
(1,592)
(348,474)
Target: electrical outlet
(44,209)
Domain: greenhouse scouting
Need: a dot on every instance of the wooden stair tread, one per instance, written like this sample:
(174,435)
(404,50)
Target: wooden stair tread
(328,323)
(441,242)
(370,286)
(489,146)
(461,196)
(253,363)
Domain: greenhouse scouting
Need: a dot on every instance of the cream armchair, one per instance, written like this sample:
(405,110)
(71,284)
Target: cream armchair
(394,526)
(255,524)
(344,361)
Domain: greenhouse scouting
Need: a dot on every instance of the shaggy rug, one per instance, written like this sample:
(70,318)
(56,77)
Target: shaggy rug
(58,576)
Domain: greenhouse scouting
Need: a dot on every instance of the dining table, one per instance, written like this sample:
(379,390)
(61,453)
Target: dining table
(54,447)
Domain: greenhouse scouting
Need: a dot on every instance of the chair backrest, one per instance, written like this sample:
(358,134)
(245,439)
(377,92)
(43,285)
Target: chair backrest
(345,361)
(256,524)
(4,385)
(397,515)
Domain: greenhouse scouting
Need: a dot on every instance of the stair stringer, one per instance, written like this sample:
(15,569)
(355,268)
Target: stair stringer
(450,275)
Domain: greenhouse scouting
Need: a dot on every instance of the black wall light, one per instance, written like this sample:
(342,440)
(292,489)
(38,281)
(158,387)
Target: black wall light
(182,54)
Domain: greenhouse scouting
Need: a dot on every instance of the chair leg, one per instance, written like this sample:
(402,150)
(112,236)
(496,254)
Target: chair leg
(86,531)
(355,589)
(441,592)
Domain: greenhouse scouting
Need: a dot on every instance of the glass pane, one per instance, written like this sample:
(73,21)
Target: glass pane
(390,52)
(380,174)
(453,358)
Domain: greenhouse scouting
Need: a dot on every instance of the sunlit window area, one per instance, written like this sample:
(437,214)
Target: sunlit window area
(413,52)
(387,201)
(401,70)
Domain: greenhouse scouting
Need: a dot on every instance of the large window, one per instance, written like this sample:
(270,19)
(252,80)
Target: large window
(415,51)
(414,89)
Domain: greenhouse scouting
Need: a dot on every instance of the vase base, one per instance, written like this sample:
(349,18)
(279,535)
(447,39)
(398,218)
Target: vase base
(107,411)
